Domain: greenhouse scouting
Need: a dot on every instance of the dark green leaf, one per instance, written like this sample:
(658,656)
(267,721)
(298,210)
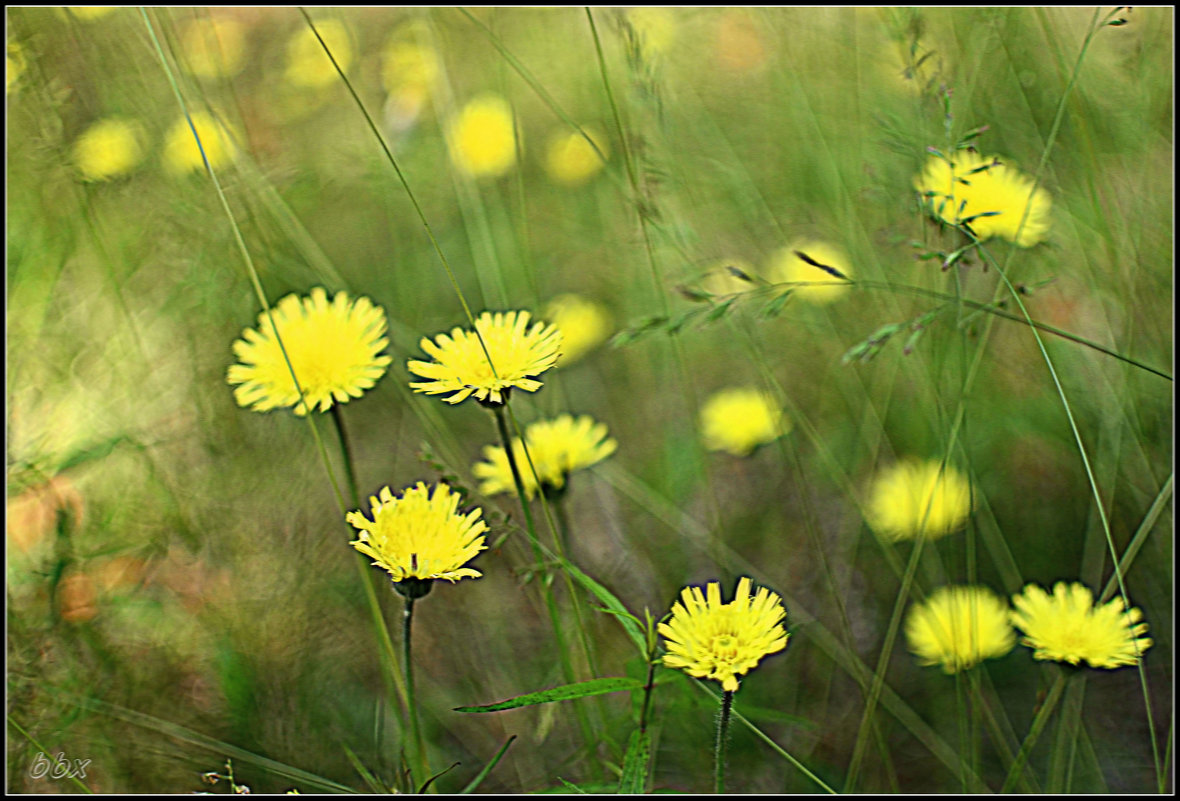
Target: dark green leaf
(565,692)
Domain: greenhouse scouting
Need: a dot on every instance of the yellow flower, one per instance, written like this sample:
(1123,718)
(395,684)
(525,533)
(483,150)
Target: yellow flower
(213,48)
(558,447)
(181,153)
(518,354)
(108,149)
(739,419)
(88,13)
(571,160)
(409,65)
(333,347)
(959,627)
(14,64)
(1067,627)
(655,27)
(983,185)
(911,500)
(584,325)
(482,138)
(308,66)
(419,534)
(712,640)
(788,266)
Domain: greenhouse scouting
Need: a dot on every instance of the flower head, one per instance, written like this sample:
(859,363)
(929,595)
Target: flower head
(420,534)
(789,265)
(557,447)
(571,160)
(213,48)
(712,640)
(918,499)
(181,154)
(1067,627)
(972,185)
(584,325)
(482,137)
(518,353)
(739,419)
(308,65)
(959,627)
(334,348)
(108,149)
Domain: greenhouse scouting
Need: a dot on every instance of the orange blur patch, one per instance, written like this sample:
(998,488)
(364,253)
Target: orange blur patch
(32,516)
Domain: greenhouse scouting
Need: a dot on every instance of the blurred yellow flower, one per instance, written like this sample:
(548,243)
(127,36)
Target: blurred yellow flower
(959,627)
(787,265)
(181,154)
(654,26)
(975,185)
(419,534)
(334,349)
(911,499)
(584,325)
(571,160)
(14,64)
(482,137)
(308,66)
(407,64)
(88,13)
(558,447)
(108,149)
(740,419)
(1067,627)
(213,48)
(712,640)
(518,354)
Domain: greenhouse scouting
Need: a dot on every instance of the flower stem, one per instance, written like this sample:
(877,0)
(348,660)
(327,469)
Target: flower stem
(346,451)
(719,747)
(415,728)
(1038,724)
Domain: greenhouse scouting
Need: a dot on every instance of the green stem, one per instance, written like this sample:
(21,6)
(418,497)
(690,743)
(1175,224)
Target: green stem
(415,727)
(719,746)
(1038,725)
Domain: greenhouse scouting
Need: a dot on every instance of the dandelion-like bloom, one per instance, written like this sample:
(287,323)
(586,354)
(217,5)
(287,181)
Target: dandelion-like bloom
(482,137)
(916,499)
(181,153)
(334,348)
(571,160)
(558,447)
(740,419)
(519,353)
(584,325)
(789,266)
(213,48)
(108,149)
(1067,627)
(308,66)
(975,185)
(419,534)
(959,627)
(712,640)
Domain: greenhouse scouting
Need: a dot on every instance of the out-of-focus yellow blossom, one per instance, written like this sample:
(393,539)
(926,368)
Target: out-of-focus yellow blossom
(410,72)
(109,148)
(972,185)
(584,325)
(959,627)
(213,48)
(88,13)
(181,154)
(1068,626)
(14,65)
(720,279)
(556,449)
(788,266)
(308,66)
(918,499)
(481,138)
(740,419)
(571,160)
(740,47)
(655,28)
